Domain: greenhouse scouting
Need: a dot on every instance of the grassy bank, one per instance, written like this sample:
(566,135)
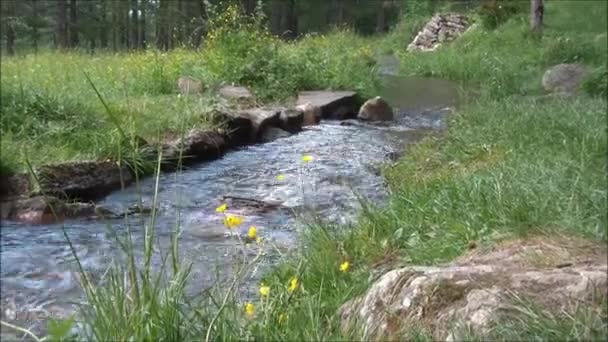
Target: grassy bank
(50,113)
(511,164)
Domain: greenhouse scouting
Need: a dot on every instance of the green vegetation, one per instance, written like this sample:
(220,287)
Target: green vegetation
(51,114)
(512,163)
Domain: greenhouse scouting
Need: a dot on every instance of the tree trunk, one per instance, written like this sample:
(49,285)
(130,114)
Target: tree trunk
(162,34)
(291,20)
(126,32)
(134,24)
(276,16)
(35,32)
(381,26)
(115,24)
(61,28)
(199,28)
(10,28)
(536,16)
(142,25)
(248,6)
(103,32)
(73,25)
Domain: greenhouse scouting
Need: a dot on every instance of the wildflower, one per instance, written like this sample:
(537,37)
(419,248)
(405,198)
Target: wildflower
(249,309)
(293,284)
(221,208)
(344,267)
(264,290)
(232,221)
(282,318)
(306,158)
(280,177)
(251,233)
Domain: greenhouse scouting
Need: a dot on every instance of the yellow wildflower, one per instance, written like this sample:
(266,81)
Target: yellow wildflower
(221,208)
(282,318)
(280,177)
(249,309)
(264,290)
(293,284)
(231,221)
(344,266)
(251,233)
(306,158)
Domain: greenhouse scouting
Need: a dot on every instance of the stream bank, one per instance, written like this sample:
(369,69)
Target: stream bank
(39,281)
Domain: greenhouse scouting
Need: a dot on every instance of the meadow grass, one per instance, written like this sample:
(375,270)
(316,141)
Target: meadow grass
(51,114)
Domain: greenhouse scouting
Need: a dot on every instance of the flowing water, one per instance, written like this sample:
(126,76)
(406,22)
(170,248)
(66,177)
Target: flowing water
(38,275)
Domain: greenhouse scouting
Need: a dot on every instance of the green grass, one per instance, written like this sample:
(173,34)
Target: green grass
(50,113)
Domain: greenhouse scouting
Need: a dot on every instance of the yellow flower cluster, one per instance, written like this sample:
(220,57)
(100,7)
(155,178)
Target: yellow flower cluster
(232,221)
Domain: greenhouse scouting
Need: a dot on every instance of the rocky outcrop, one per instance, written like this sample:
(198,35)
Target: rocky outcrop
(471,292)
(334,105)
(14,185)
(197,145)
(247,126)
(311,114)
(564,79)
(375,109)
(188,85)
(86,180)
(291,120)
(441,28)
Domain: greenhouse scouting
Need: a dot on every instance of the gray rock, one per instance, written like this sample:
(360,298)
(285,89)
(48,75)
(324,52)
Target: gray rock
(252,122)
(564,78)
(312,114)
(291,119)
(86,180)
(470,292)
(198,145)
(14,185)
(237,93)
(188,85)
(273,133)
(376,109)
(335,105)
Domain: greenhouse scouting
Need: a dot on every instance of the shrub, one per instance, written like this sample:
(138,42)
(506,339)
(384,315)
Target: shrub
(596,84)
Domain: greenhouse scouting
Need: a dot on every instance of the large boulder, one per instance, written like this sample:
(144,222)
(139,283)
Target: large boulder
(188,85)
(376,109)
(334,105)
(291,119)
(470,293)
(564,79)
(311,114)
(85,180)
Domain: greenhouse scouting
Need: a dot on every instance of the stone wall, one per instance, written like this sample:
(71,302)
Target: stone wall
(441,28)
